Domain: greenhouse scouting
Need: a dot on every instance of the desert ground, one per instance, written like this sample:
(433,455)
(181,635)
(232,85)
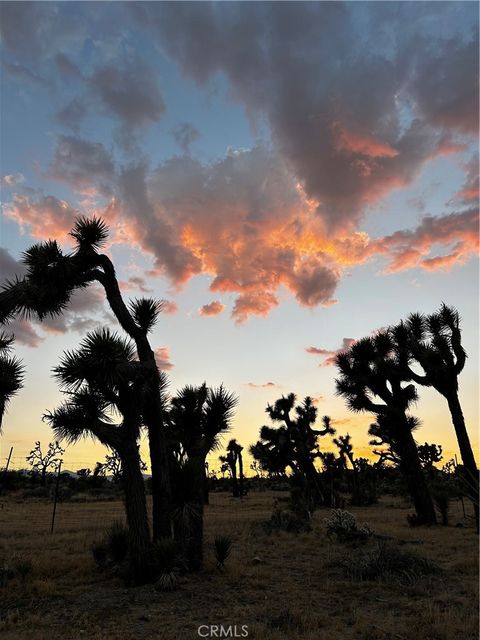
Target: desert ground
(282,585)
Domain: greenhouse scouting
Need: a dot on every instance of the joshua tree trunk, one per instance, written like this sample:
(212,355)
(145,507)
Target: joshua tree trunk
(233,467)
(240,473)
(206,492)
(412,471)
(466,451)
(194,550)
(136,510)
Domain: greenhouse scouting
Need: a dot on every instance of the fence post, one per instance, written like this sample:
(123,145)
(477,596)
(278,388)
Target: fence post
(8,459)
(56,496)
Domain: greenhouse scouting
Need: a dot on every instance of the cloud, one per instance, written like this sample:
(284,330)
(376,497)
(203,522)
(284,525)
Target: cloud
(12,180)
(162,356)
(169,307)
(212,309)
(67,68)
(406,249)
(24,74)
(330,354)
(82,164)
(46,216)
(73,113)
(354,120)
(24,332)
(184,135)
(135,283)
(470,192)
(265,385)
(130,94)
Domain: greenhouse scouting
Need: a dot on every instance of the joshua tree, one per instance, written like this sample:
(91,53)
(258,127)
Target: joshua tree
(429,454)
(197,418)
(234,457)
(51,278)
(103,379)
(371,380)
(294,444)
(113,466)
(42,462)
(435,342)
(11,374)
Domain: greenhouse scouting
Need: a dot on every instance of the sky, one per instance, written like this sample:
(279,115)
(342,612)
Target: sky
(290,177)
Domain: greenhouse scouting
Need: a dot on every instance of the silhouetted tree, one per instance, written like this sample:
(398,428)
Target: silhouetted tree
(51,278)
(11,374)
(197,418)
(429,454)
(294,444)
(435,342)
(232,459)
(42,462)
(103,379)
(371,380)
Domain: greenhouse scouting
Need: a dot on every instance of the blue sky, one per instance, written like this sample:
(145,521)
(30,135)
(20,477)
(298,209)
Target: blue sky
(310,168)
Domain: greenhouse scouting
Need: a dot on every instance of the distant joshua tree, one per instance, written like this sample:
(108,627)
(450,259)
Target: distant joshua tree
(232,459)
(103,379)
(51,278)
(42,462)
(429,454)
(11,374)
(371,380)
(435,342)
(294,444)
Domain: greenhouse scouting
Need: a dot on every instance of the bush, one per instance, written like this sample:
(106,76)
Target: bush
(100,554)
(222,546)
(287,520)
(343,526)
(385,562)
(167,564)
(116,541)
(23,568)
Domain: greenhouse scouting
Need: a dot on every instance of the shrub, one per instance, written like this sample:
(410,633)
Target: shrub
(100,554)
(23,568)
(343,526)
(167,563)
(116,541)
(7,573)
(222,546)
(385,562)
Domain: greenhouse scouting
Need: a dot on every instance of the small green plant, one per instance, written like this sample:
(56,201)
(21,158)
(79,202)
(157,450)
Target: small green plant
(222,546)
(343,526)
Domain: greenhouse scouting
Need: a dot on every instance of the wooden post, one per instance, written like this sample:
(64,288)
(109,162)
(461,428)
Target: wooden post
(56,496)
(8,459)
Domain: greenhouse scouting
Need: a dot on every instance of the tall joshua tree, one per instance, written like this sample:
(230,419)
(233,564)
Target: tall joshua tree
(435,342)
(45,290)
(102,379)
(11,374)
(197,418)
(371,380)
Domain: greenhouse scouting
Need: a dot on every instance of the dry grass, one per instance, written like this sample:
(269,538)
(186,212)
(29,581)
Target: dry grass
(282,586)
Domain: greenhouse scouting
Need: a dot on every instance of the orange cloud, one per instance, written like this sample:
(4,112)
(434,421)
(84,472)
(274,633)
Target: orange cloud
(331,354)
(212,309)
(362,143)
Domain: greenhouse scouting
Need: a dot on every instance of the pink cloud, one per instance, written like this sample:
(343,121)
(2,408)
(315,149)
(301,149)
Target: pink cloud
(265,385)
(211,309)
(162,356)
(331,354)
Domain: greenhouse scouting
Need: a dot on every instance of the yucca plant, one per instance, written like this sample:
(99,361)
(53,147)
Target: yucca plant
(223,547)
